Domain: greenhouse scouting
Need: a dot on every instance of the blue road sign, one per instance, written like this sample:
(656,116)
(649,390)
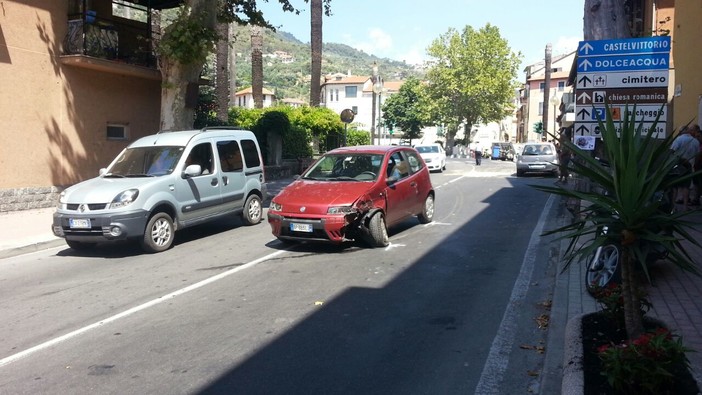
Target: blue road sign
(629,46)
(655,61)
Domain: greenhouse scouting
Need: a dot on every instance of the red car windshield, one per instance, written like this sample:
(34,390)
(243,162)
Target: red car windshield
(346,167)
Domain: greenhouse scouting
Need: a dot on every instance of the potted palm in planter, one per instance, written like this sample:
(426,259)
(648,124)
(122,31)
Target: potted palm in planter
(628,200)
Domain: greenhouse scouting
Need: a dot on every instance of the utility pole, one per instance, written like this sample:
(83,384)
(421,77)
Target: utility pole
(547,91)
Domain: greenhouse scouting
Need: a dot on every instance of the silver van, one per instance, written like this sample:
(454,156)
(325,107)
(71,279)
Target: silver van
(163,183)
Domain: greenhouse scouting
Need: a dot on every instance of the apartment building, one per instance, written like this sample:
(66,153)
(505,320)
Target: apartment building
(79,83)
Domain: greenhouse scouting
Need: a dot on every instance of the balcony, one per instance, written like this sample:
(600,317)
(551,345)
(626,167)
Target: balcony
(111,44)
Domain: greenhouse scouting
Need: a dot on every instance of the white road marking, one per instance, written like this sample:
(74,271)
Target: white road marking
(133,310)
(498,358)
(393,245)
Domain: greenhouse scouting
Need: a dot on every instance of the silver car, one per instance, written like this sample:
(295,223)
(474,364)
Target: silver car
(537,158)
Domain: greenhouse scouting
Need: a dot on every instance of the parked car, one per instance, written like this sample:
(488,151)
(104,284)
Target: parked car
(354,193)
(537,158)
(163,183)
(434,156)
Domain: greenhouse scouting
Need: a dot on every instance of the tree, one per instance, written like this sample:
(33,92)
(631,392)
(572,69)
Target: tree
(316,47)
(184,47)
(257,65)
(222,72)
(605,19)
(472,79)
(407,109)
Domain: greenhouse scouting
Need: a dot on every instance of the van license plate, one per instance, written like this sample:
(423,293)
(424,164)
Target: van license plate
(537,166)
(76,223)
(300,227)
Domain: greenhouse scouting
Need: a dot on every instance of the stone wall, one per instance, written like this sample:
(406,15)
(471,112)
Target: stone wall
(28,198)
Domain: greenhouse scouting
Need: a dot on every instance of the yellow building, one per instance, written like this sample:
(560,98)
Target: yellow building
(687,55)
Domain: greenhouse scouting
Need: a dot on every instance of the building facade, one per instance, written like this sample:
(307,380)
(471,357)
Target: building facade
(533,95)
(244,98)
(77,87)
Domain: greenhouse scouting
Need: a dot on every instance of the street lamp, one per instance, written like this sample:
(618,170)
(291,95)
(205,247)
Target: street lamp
(554,102)
(374,80)
(378,90)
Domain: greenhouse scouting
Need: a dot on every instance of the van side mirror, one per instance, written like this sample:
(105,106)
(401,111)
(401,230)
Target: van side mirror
(192,171)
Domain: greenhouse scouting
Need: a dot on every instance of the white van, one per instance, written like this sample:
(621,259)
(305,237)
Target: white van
(162,183)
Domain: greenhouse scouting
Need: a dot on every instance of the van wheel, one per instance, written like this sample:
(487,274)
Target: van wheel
(378,231)
(253,210)
(159,233)
(427,214)
(80,245)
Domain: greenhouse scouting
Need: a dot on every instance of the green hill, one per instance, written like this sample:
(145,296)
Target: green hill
(291,80)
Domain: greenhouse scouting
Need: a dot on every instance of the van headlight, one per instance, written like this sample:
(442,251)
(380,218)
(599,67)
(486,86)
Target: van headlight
(124,199)
(62,200)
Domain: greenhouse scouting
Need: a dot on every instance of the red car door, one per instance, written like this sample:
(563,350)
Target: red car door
(401,189)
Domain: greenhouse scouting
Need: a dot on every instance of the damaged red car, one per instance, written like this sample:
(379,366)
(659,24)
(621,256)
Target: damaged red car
(354,193)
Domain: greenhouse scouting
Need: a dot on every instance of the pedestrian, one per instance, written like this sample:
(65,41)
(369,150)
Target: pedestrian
(563,163)
(478,154)
(686,147)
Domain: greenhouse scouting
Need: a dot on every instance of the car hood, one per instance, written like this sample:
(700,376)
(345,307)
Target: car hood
(103,190)
(317,196)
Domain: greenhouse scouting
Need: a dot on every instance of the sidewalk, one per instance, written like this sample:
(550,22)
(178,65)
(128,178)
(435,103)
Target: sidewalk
(676,297)
(30,230)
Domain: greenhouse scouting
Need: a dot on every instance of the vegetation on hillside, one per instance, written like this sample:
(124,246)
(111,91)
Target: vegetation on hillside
(292,80)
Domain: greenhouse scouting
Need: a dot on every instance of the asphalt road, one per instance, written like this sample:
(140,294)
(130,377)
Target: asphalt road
(453,307)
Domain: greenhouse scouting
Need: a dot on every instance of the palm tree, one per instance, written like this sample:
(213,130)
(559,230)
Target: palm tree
(257,65)
(316,44)
(222,72)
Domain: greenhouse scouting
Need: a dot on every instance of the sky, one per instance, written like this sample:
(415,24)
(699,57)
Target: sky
(403,29)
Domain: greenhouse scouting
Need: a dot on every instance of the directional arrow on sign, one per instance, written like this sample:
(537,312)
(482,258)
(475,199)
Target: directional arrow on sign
(583,113)
(586,48)
(584,97)
(585,64)
(582,130)
(584,80)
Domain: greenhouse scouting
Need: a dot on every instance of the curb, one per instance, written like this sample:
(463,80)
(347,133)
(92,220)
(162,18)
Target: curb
(573,376)
(34,247)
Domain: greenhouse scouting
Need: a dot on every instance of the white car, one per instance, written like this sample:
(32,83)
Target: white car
(434,156)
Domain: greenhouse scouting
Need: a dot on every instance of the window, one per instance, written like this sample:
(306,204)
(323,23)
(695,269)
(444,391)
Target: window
(351,91)
(561,85)
(414,162)
(128,10)
(230,156)
(337,94)
(355,110)
(250,153)
(542,85)
(201,154)
(397,166)
(541,108)
(116,132)
(331,95)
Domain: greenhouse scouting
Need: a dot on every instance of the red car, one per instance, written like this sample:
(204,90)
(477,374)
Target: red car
(354,192)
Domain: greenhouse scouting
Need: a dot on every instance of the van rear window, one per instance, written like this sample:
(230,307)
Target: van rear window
(250,153)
